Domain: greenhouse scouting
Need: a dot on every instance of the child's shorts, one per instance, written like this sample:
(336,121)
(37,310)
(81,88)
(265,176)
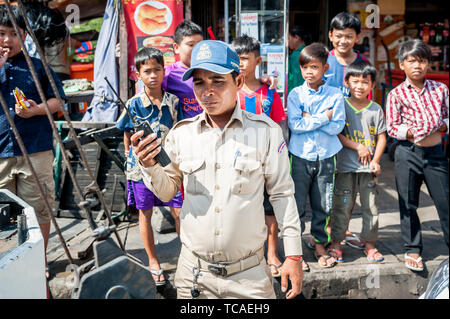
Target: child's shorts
(143,198)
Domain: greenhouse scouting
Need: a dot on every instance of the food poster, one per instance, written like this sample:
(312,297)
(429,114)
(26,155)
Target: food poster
(151,23)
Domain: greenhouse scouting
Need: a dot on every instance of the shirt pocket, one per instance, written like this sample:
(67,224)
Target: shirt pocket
(194,174)
(246,172)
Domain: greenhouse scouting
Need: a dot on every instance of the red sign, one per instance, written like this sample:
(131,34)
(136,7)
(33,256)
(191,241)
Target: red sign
(151,23)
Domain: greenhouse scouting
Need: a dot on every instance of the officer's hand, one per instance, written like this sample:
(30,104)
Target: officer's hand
(293,271)
(146,149)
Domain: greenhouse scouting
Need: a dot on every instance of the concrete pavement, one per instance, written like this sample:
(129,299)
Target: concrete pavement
(355,278)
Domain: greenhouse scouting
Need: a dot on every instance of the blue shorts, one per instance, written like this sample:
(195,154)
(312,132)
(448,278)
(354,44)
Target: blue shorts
(140,196)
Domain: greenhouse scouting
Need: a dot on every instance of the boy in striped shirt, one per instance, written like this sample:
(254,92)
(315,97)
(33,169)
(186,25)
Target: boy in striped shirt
(416,115)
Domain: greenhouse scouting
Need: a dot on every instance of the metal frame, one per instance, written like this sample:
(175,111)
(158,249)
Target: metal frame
(284,37)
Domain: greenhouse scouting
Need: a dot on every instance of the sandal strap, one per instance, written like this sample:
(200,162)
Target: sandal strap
(416,260)
(375,251)
(156,272)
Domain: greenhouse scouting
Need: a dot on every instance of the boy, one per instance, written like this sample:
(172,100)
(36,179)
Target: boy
(32,124)
(187,35)
(344,34)
(298,39)
(345,30)
(162,110)
(417,113)
(358,163)
(316,115)
(257,98)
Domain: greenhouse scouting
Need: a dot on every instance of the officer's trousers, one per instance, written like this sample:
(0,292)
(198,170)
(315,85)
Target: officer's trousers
(253,283)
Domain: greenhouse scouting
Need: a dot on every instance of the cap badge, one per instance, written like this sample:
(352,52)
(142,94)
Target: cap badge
(204,52)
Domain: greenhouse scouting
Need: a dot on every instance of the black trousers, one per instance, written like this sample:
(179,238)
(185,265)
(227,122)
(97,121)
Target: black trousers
(316,180)
(414,165)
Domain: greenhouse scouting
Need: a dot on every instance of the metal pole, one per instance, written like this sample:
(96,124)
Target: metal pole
(69,123)
(238,18)
(225,20)
(286,51)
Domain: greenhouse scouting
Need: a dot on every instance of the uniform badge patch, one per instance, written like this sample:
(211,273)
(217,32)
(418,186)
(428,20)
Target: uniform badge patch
(281,147)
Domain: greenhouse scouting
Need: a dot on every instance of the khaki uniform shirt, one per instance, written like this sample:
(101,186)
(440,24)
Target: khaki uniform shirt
(224,173)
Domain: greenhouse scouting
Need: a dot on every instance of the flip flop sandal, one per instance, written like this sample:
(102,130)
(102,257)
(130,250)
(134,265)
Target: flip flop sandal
(337,253)
(305,266)
(417,261)
(326,259)
(276,274)
(370,257)
(354,238)
(158,274)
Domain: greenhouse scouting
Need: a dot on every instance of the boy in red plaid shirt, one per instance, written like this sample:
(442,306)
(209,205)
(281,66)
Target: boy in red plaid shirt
(416,115)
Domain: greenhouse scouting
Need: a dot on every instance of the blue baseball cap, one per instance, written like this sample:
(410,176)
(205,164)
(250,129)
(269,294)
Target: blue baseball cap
(214,56)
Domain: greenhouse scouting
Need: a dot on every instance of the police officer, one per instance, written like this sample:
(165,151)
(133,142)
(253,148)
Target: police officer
(224,157)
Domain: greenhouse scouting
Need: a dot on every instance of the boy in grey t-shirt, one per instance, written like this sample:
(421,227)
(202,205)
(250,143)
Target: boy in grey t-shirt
(358,163)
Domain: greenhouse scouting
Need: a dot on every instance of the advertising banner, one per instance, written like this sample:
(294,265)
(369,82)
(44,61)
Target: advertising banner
(275,66)
(151,23)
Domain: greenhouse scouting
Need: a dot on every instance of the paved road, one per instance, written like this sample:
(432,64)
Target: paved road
(355,278)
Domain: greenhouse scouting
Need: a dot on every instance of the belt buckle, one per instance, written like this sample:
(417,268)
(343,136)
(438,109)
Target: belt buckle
(218,270)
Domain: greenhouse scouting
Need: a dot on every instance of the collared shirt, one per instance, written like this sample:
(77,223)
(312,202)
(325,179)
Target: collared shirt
(422,113)
(295,77)
(335,75)
(315,137)
(161,121)
(36,132)
(224,173)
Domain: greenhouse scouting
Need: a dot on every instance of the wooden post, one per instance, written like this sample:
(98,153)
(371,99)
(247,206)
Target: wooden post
(123,60)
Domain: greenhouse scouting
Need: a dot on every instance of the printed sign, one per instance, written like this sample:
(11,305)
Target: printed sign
(275,66)
(151,23)
(249,25)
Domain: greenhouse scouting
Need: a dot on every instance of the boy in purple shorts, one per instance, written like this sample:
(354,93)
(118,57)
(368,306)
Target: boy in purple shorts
(162,110)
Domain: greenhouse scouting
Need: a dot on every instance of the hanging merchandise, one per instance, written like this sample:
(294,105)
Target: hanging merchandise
(86,52)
